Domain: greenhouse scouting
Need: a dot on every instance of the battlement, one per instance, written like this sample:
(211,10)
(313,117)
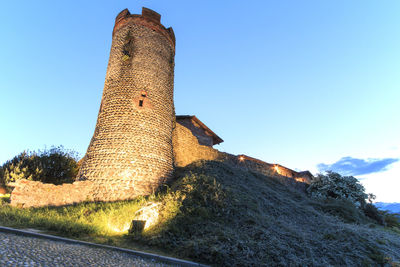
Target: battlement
(148,18)
(152,15)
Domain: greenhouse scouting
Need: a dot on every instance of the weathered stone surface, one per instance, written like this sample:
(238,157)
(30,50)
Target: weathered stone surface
(137,141)
(36,194)
(187,149)
(130,153)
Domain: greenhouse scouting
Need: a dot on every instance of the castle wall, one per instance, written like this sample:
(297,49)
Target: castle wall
(130,153)
(187,149)
(134,147)
(202,137)
(36,194)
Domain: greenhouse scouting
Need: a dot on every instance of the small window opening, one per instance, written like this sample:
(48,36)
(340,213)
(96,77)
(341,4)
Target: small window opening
(140,103)
(143,93)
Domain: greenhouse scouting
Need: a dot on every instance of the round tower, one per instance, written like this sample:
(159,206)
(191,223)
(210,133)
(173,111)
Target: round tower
(130,153)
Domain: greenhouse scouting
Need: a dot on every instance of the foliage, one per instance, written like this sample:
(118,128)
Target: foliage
(341,208)
(228,217)
(333,185)
(55,165)
(371,211)
(391,219)
(4,199)
(222,216)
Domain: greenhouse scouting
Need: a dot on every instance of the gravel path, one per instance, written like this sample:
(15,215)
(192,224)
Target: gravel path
(16,250)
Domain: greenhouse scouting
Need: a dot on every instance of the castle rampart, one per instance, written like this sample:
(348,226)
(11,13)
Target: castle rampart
(130,153)
(148,18)
(138,140)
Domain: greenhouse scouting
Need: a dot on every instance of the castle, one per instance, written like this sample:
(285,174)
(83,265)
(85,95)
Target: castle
(138,139)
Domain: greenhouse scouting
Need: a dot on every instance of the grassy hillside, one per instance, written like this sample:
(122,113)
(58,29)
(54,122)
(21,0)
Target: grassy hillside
(222,216)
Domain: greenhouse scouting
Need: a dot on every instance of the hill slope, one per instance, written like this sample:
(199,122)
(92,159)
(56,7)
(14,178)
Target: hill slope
(219,215)
(230,217)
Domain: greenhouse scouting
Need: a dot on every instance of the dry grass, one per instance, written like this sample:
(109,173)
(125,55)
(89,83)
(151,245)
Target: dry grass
(222,216)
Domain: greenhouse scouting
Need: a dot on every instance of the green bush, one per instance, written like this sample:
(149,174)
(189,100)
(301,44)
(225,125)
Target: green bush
(223,216)
(391,219)
(344,209)
(372,212)
(55,165)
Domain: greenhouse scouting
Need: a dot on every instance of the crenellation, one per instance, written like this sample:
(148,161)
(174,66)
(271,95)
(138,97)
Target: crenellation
(132,143)
(138,140)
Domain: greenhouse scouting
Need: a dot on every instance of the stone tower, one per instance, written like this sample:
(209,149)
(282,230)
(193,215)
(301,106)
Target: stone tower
(130,153)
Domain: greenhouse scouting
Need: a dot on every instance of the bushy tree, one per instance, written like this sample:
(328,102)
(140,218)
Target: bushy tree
(17,168)
(55,165)
(333,185)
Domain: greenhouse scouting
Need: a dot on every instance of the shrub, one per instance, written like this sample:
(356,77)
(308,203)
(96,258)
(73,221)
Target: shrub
(333,185)
(391,219)
(372,212)
(343,209)
(56,165)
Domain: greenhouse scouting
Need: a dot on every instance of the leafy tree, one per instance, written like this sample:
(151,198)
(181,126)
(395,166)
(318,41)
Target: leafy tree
(55,165)
(16,168)
(333,185)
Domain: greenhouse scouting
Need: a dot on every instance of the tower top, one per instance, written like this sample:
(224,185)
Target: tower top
(148,18)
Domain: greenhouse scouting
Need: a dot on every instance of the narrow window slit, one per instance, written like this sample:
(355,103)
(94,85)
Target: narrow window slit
(140,103)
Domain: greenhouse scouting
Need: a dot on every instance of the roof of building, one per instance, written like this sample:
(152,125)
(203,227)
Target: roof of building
(216,139)
(308,173)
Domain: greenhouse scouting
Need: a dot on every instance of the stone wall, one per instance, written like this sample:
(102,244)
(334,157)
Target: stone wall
(130,153)
(203,137)
(36,194)
(134,147)
(187,149)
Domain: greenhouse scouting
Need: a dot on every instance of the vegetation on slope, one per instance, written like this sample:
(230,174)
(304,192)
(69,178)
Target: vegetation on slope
(56,165)
(232,217)
(216,214)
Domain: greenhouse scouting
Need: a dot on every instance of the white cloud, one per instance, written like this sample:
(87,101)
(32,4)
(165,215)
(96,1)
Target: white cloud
(385,185)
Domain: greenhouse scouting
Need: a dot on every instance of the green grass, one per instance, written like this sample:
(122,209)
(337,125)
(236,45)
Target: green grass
(215,214)
(4,198)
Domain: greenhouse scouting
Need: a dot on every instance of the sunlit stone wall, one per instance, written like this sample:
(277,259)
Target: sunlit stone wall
(130,153)
(36,194)
(187,149)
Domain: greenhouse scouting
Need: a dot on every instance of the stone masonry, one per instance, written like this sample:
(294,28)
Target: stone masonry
(188,148)
(36,194)
(130,153)
(138,140)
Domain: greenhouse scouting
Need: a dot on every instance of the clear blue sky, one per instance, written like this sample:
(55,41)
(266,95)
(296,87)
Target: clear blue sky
(298,83)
